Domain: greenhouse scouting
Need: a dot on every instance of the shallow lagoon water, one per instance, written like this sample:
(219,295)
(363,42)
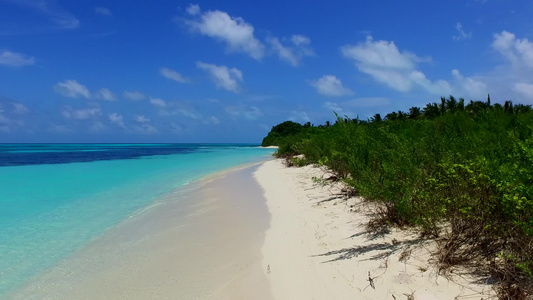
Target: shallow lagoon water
(55,199)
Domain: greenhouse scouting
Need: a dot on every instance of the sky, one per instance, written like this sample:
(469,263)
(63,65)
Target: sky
(227,71)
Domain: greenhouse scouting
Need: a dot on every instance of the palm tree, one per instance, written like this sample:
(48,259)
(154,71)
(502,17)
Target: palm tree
(376,118)
(431,110)
(414,112)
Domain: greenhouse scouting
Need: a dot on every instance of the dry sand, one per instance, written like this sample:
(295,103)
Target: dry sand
(318,247)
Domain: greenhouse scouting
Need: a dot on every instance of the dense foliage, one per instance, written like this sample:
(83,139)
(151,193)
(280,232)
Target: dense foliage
(469,166)
(281,132)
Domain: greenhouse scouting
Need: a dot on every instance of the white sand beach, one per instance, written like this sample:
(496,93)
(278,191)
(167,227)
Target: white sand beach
(318,247)
(261,232)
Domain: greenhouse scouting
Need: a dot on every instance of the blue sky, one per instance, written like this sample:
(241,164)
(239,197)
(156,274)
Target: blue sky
(227,71)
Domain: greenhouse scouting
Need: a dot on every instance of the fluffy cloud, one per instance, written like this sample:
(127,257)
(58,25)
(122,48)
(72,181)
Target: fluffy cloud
(134,95)
(72,89)
(15,59)
(222,76)
(117,119)
(299,40)
(469,86)
(193,9)
(509,79)
(461,34)
(80,114)
(105,94)
(518,51)
(331,86)
(292,54)
(158,102)
(233,31)
(525,89)
(173,75)
(386,64)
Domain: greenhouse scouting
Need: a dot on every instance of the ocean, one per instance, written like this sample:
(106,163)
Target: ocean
(57,198)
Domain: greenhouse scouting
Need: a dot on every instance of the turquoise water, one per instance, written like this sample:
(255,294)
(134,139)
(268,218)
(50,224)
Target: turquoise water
(50,207)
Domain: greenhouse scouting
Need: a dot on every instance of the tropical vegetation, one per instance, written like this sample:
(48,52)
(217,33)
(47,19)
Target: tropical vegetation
(461,172)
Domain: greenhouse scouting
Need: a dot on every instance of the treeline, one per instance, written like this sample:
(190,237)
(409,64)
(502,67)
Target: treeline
(469,167)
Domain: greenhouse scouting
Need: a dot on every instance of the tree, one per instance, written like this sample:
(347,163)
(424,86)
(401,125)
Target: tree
(508,106)
(376,118)
(461,104)
(280,131)
(431,110)
(451,104)
(393,116)
(414,112)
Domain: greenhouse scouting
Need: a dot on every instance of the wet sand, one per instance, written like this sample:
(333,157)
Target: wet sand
(199,242)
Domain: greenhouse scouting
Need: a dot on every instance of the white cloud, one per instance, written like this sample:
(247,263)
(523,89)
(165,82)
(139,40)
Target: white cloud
(461,34)
(386,64)
(144,125)
(117,119)
(234,32)
(173,75)
(15,59)
(72,89)
(300,40)
(105,94)
(141,119)
(158,102)
(380,55)
(247,112)
(102,11)
(329,85)
(292,55)
(80,114)
(525,89)
(285,53)
(222,76)
(193,9)
(518,51)
(469,86)
(439,87)
(134,95)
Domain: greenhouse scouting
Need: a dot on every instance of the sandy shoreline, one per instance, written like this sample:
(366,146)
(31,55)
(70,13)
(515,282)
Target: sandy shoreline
(206,248)
(318,247)
(258,232)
